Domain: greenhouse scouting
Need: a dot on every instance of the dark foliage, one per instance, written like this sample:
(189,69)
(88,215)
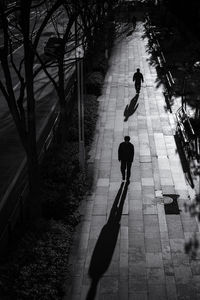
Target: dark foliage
(39,264)
(90,117)
(94,83)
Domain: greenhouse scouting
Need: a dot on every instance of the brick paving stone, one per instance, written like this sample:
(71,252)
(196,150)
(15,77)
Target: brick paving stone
(177,245)
(109,285)
(123,265)
(138,295)
(147,181)
(171,288)
(189,224)
(134,206)
(157,292)
(152,243)
(123,288)
(138,283)
(109,296)
(146,170)
(147,259)
(151,224)
(145,158)
(155,276)
(149,209)
(196,283)
(154,260)
(168,189)
(136,226)
(185,291)
(100,208)
(183,274)
(195,267)
(175,228)
(180,259)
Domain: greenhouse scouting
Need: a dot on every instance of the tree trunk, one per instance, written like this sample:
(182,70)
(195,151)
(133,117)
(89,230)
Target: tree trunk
(62,102)
(32,156)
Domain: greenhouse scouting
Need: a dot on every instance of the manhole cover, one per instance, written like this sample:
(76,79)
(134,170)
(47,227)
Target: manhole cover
(168,200)
(171,204)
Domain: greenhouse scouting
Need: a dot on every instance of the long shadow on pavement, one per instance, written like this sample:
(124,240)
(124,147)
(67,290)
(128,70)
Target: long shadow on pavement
(106,243)
(131,108)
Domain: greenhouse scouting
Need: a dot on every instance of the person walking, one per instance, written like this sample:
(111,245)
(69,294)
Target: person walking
(125,156)
(138,78)
(134,20)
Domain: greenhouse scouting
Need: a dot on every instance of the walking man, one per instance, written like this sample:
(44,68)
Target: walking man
(138,78)
(125,156)
(134,21)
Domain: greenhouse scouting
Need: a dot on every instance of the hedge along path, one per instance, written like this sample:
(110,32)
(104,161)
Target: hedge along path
(125,247)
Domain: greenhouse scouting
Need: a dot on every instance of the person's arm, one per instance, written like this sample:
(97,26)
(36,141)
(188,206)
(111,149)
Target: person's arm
(132,152)
(119,152)
(142,78)
(133,77)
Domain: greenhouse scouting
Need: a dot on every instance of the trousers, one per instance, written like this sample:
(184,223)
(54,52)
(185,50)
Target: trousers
(137,87)
(126,166)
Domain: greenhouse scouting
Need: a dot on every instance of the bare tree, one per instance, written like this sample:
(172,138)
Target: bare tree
(82,20)
(22,103)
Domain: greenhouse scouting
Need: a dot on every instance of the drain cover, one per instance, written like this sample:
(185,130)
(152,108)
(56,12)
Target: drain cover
(171,204)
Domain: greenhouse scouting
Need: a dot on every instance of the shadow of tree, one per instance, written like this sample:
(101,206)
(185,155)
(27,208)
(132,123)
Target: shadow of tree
(106,243)
(184,160)
(131,108)
(180,52)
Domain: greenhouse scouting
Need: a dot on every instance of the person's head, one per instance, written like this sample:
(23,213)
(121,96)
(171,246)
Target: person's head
(138,70)
(127,138)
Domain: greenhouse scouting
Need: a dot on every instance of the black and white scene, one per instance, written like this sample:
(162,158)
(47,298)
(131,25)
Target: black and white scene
(99,150)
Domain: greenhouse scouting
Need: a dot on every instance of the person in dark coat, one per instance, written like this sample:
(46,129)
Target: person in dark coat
(134,22)
(125,156)
(138,78)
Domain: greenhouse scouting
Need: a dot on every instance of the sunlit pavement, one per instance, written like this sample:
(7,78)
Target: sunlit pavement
(128,247)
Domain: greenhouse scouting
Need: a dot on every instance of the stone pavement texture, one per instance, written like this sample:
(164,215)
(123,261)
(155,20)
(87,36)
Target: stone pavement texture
(125,246)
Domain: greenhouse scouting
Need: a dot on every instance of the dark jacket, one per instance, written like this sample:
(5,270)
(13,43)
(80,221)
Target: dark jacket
(126,151)
(138,77)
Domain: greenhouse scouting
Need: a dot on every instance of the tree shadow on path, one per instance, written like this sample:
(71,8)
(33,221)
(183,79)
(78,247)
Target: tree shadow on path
(106,243)
(131,108)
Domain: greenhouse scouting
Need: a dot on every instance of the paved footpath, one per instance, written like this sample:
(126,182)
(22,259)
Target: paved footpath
(125,246)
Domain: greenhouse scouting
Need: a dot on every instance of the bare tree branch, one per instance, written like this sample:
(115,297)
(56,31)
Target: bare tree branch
(17,71)
(39,4)
(45,21)
(4,92)
(43,67)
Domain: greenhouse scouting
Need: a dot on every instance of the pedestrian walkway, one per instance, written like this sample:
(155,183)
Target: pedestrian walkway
(126,246)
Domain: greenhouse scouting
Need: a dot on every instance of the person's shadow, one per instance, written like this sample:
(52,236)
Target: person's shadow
(131,108)
(105,245)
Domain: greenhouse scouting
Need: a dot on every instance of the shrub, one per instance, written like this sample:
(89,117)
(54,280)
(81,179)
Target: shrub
(100,64)
(59,171)
(91,115)
(94,83)
(39,264)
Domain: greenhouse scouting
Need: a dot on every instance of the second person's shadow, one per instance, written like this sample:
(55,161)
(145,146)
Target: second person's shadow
(106,243)
(131,108)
